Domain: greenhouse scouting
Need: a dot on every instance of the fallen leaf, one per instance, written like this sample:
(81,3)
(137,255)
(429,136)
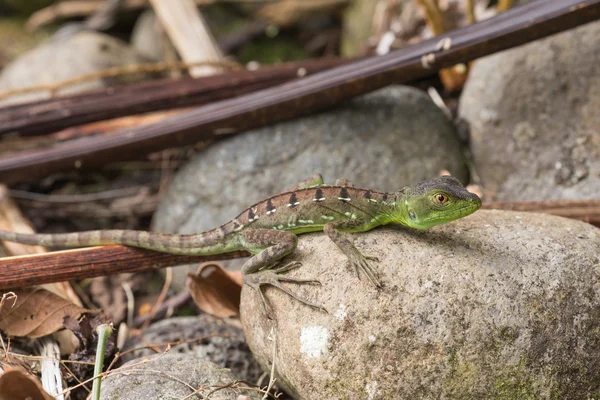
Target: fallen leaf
(215,290)
(17,384)
(36,312)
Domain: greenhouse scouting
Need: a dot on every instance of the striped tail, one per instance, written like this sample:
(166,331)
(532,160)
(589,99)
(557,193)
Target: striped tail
(206,243)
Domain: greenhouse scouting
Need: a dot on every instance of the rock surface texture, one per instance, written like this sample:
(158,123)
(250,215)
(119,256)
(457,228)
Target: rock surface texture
(172,377)
(386,140)
(498,305)
(224,344)
(534,118)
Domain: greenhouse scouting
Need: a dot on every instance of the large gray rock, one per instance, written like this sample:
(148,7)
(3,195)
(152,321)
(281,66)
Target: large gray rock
(498,305)
(534,118)
(386,140)
(66,57)
(172,377)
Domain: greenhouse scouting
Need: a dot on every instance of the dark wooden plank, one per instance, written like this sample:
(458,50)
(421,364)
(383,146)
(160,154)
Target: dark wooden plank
(50,115)
(58,266)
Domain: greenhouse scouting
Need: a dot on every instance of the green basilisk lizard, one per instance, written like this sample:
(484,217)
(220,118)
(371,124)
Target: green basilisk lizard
(268,229)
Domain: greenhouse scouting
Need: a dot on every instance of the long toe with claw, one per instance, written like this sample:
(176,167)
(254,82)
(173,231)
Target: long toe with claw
(286,267)
(362,264)
(271,277)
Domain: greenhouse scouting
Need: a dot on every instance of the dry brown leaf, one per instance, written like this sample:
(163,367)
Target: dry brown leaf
(36,312)
(215,290)
(17,384)
(11,219)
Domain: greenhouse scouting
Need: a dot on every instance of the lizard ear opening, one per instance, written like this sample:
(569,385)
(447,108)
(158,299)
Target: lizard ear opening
(412,215)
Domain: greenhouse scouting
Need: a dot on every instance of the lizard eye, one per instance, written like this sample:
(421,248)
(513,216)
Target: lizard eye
(440,198)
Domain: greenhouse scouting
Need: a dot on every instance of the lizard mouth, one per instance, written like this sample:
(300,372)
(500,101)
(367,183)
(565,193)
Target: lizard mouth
(456,214)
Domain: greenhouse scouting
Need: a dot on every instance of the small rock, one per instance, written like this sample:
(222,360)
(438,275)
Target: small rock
(498,305)
(146,37)
(385,140)
(171,377)
(67,57)
(224,343)
(533,113)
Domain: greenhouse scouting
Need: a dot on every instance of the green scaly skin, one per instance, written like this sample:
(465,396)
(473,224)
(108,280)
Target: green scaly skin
(269,229)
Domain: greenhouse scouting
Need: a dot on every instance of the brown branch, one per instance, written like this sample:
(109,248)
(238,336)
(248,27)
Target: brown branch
(322,90)
(30,270)
(50,115)
(584,210)
(129,69)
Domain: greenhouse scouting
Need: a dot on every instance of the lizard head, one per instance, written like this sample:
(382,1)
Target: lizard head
(435,202)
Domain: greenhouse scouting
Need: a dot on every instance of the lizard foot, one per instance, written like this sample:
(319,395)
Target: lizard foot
(362,263)
(287,267)
(271,277)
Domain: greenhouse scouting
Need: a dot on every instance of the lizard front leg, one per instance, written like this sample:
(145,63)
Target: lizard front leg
(269,246)
(337,232)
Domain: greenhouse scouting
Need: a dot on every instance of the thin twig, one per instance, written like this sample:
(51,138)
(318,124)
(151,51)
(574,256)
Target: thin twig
(273,337)
(161,296)
(120,71)
(130,302)
(76,198)
(470,11)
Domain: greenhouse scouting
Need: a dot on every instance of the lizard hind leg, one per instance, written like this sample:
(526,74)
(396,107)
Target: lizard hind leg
(263,269)
(311,181)
(343,182)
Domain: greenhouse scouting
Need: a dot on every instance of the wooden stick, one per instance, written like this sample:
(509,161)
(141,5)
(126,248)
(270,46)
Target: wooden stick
(30,270)
(189,34)
(51,115)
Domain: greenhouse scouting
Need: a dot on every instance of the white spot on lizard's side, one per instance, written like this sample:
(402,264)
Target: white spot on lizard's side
(271,211)
(319,199)
(314,341)
(306,221)
(371,389)
(239,227)
(327,217)
(341,313)
(344,198)
(293,204)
